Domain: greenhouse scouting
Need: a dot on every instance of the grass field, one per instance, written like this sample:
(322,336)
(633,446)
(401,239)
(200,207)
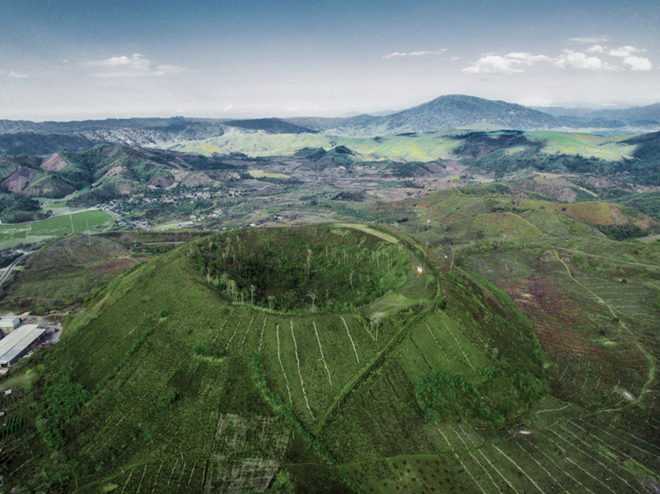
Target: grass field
(588,145)
(423,148)
(52,227)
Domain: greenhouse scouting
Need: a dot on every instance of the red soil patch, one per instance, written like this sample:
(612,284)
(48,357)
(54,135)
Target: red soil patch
(114,266)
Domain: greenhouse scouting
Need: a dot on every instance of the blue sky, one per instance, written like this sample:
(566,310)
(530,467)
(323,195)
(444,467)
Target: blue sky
(67,60)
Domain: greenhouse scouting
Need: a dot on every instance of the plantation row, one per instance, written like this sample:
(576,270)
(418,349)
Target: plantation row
(578,456)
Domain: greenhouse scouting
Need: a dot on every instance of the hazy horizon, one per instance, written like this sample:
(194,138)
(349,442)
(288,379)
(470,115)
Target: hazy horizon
(73,60)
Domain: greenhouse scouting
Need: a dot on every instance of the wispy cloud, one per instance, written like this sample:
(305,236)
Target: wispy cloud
(136,65)
(397,54)
(590,39)
(13,74)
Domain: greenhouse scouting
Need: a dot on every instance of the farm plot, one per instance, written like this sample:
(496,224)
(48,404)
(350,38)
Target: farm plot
(591,355)
(311,358)
(437,342)
(629,298)
(378,425)
(168,476)
(506,265)
(246,453)
(560,458)
(52,227)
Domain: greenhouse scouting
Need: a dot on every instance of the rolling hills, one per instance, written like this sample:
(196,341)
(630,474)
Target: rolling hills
(108,171)
(443,113)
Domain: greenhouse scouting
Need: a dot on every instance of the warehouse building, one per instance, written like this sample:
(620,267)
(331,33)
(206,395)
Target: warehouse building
(9,323)
(17,343)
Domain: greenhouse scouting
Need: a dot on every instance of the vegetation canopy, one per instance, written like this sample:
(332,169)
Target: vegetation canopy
(317,269)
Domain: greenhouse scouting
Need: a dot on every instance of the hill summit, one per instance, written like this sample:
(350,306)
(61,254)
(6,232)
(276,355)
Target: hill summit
(182,377)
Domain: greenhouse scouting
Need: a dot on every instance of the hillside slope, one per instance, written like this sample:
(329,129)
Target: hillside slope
(221,396)
(110,171)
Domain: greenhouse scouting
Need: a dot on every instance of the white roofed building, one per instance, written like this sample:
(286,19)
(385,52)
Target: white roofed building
(17,343)
(9,323)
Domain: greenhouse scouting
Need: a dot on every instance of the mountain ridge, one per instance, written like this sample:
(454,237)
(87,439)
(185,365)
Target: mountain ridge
(454,111)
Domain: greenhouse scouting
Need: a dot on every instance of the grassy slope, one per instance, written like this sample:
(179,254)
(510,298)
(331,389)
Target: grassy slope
(137,340)
(65,271)
(461,215)
(587,145)
(417,147)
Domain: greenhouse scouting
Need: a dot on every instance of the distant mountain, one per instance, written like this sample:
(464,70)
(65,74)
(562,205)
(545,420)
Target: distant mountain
(443,113)
(42,144)
(269,125)
(639,117)
(338,124)
(41,138)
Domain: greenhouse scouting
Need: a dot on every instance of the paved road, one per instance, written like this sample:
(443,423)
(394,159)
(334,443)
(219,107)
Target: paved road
(9,268)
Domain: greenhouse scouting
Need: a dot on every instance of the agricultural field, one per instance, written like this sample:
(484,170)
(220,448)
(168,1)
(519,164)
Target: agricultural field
(57,226)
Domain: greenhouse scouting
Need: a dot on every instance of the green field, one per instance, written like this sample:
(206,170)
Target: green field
(417,147)
(587,145)
(427,147)
(56,226)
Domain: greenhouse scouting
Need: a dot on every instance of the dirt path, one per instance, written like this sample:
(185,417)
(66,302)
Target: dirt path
(366,229)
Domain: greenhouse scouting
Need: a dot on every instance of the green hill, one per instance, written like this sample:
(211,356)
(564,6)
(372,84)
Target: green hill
(496,211)
(166,384)
(109,171)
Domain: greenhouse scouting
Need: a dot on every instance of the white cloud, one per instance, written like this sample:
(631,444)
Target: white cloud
(136,65)
(494,64)
(13,75)
(454,58)
(516,62)
(624,51)
(511,63)
(397,54)
(577,60)
(592,39)
(228,108)
(638,63)
(596,49)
